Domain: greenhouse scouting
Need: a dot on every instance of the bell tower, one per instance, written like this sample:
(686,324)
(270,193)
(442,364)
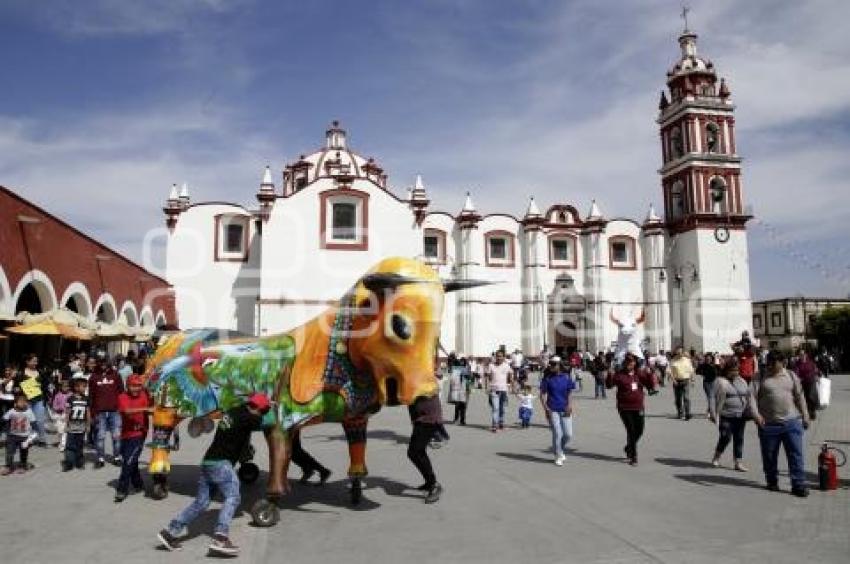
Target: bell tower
(707,264)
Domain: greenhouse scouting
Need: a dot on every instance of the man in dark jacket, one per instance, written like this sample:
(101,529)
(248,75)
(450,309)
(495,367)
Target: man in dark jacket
(426,415)
(232,437)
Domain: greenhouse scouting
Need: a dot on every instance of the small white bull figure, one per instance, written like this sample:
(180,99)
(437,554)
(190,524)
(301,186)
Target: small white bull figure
(627,336)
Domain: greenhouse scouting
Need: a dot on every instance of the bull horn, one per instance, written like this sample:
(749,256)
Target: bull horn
(463,284)
(378,281)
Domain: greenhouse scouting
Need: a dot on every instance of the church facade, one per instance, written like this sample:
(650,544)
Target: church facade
(563,276)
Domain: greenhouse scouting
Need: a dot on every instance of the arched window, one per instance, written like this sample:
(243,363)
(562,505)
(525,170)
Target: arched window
(677,147)
(717,190)
(712,138)
(677,200)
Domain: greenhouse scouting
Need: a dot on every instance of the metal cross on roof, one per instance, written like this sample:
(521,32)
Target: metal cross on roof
(685,10)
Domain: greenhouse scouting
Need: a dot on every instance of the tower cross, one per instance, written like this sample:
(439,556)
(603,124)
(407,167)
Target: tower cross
(685,10)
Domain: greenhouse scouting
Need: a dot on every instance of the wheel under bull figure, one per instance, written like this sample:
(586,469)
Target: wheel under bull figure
(374,347)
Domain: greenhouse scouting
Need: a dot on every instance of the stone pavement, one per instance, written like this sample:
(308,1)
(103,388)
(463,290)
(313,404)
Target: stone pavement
(504,500)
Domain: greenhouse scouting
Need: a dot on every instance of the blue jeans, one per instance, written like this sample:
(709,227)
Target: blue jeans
(219,474)
(498,401)
(790,435)
(562,431)
(131,449)
(38,410)
(525,414)
(108,420)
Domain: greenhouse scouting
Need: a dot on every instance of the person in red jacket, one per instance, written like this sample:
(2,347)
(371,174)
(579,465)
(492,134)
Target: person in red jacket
(630,382)
(105,386)
(134,406)
(747,361)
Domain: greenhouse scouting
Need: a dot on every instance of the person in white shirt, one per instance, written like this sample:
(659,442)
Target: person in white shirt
(500,378)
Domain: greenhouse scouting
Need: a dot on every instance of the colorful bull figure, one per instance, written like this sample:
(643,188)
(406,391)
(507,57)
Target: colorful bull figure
(374,347)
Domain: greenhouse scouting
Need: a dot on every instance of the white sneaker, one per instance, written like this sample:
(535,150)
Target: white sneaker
(559,461)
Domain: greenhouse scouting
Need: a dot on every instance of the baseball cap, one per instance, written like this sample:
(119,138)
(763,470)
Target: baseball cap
(260,402)
(555,359)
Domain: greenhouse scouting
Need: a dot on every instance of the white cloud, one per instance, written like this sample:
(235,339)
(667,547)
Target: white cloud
(566,113)
(108,17)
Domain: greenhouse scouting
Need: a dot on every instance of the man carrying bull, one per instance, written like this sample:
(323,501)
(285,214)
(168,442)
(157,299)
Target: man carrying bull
(231,439)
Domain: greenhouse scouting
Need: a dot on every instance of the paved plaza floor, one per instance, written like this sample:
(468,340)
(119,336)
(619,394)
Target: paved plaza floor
(504,500)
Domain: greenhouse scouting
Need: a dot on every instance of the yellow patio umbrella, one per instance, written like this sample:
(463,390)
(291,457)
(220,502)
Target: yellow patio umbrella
(49,327)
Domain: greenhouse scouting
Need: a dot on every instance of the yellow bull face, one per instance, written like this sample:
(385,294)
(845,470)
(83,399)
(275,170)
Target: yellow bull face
(396,329)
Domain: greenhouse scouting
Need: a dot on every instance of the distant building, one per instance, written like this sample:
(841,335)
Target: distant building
(562,275)
(786,323)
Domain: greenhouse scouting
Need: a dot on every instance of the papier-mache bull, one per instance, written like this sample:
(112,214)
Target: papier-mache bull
(375,347)
(627,336)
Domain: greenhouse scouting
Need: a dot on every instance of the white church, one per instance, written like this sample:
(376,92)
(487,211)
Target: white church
(563,274)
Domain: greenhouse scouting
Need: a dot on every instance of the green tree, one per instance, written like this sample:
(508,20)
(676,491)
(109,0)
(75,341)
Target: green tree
(832,329)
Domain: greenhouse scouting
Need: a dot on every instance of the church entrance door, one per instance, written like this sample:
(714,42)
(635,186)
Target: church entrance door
(566,339)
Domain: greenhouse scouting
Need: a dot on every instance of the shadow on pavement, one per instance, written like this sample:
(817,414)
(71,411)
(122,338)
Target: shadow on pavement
(382,435)
(812,479)
(683,463)
(718,480)
(595,456)
(524,457)
(183,481)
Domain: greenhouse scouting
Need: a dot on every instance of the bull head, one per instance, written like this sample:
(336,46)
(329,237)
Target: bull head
(396,325)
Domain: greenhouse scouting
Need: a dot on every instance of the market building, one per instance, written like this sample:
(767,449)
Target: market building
(47,264)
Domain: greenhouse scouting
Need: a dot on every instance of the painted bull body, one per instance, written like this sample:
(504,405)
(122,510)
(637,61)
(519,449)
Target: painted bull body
(374,347)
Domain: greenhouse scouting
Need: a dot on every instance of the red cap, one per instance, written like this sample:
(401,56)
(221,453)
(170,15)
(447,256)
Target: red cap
(260,402)
(135,380)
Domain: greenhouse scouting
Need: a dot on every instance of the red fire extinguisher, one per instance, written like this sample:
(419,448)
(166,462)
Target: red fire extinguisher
(828,467)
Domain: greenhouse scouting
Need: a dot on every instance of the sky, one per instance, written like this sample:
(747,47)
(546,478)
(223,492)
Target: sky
(105,104)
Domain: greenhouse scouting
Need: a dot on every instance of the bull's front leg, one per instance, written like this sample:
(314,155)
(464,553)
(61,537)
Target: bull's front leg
(265,511)
(280,453)
(165,421)
(355,434)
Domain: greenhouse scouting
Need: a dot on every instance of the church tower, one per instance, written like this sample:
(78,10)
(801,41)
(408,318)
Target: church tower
(707,263)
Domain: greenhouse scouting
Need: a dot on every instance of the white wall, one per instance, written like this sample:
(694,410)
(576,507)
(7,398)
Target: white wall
(295,267)
(210,293)
(716,307)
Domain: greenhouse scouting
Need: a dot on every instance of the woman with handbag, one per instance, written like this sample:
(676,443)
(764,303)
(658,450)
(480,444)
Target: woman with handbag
(734,404)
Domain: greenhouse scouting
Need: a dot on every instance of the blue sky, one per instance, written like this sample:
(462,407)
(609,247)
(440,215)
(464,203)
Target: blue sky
(105,104)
